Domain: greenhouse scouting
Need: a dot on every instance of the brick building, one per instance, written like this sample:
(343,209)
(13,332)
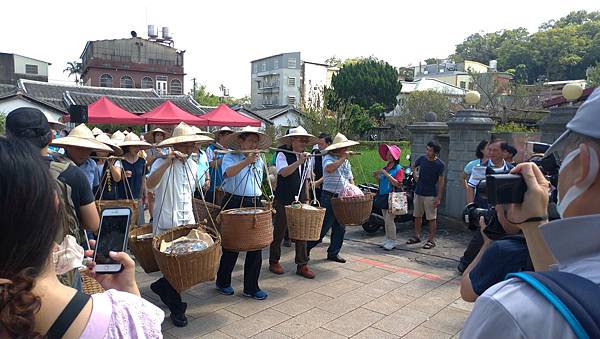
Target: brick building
(133,63)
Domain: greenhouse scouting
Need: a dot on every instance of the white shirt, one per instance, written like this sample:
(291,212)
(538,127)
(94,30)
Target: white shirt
(281,163)
(173,195)
(513,309)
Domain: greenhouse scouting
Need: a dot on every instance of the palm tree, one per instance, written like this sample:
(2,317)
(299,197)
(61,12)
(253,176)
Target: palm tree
(74,68)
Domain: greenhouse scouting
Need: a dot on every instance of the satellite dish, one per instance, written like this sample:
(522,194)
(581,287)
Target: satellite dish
(133,34)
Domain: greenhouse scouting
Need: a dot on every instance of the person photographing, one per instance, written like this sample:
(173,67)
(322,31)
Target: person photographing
(514,308)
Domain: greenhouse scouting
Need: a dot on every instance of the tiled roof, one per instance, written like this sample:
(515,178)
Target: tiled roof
(271,113)
(52,93)
(138,105)
(6,90)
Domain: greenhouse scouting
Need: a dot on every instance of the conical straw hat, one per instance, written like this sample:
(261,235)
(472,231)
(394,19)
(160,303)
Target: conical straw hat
(297,132)
(103,138)
(233,140)
(81,136)
(340,141)
(184,133)
(131,139)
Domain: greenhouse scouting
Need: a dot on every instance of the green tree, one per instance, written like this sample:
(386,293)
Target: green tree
(74,68)
(333,61)
(2,122)
(417,103)
(432,61)
(593,76)
(205,98)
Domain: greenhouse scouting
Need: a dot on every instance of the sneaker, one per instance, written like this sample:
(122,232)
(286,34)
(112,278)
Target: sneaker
(276,268)
(225,290)
(179,320)
(336,258)
(389,245)
(304,271)
(258,295)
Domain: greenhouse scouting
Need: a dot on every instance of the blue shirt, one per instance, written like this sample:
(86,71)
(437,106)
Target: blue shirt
(469,166)
(334,182)
(429,173)
(385,186)
(91,171)
(502,257)
(216,174)
(203,168)
(248,181)
(138,171)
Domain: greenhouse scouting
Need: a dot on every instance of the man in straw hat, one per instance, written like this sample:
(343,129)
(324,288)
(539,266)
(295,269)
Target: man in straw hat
(173,180)
(291,168)
(154,137)
(30,124)
(215,160)
(243,175)
(337,173)
(79,145)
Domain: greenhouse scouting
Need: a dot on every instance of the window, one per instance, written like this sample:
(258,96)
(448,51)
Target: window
(292,63)
(176,88)
(147,82)
(258,83)
(31,69)
(264,66)
(463,84)
(126,82)
(291,100)
(106,80)
(291,81)
(276,64)
(255,68)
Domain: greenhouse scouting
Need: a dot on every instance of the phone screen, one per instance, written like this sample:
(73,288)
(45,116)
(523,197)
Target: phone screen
(112,236)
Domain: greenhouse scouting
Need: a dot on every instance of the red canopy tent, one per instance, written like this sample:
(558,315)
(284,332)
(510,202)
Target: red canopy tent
(104,111)
(169,114)
(225,116)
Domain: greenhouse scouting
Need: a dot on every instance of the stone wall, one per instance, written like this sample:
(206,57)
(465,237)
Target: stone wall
(554,124)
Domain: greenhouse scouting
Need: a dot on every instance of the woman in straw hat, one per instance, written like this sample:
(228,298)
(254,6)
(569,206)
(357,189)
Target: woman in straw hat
(134,170)
(110,170)
(389,177)
(290,170)
(243,175)
(337,173)
(215,160)
(154,137)
(79,145)
(173,180)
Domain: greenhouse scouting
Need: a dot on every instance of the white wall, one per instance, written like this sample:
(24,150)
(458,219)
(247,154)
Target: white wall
(7,105)
(315,76)
(21,61)
(288,119)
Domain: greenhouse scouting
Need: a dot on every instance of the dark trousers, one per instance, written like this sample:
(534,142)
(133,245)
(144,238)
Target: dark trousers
(228,258)
(278,235)
(330,223)
(472,249)
(170,297)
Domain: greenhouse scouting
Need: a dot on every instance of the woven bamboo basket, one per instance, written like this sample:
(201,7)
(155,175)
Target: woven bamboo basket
(186,271)
(202,209)
(246,232)
(303,223)
(142,248)
(352,210)
(90,285)
(101,205)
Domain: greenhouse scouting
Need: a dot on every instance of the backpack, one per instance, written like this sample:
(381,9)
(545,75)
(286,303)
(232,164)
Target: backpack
(574,297)
(68,222)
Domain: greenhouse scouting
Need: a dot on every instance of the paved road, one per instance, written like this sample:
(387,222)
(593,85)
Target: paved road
(408,293)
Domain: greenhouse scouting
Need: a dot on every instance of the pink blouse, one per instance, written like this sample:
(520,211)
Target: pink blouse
(117,314)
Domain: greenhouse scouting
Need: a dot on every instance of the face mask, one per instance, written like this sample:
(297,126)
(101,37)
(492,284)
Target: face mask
(576,191)
(68,256)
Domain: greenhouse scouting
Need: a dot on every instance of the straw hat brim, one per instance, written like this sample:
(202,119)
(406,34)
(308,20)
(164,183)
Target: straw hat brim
(342,144)
(198,139)
(233,140)
(149,136)
(116,149)
(287,139)
(140,144)
(81,142)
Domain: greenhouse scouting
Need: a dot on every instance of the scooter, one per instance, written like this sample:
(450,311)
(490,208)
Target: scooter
(376,218)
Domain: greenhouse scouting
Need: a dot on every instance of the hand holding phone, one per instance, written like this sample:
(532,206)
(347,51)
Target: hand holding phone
(123,281)
(112,237)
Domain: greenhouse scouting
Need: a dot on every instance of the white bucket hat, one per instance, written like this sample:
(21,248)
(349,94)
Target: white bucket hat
(233,140)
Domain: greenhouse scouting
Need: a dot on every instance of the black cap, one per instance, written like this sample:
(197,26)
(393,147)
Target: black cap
(31,124)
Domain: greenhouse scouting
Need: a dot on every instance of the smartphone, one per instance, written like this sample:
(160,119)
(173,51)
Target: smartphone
(112,236)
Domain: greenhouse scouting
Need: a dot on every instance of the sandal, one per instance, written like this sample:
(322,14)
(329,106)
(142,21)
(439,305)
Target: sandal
(413,240)
(429,245)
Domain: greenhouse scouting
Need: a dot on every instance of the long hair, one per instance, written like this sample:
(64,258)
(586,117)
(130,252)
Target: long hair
(29,222)
(479,151)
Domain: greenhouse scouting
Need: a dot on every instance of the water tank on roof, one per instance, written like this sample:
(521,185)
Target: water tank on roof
(165,33)
(152,32)
(493,64)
